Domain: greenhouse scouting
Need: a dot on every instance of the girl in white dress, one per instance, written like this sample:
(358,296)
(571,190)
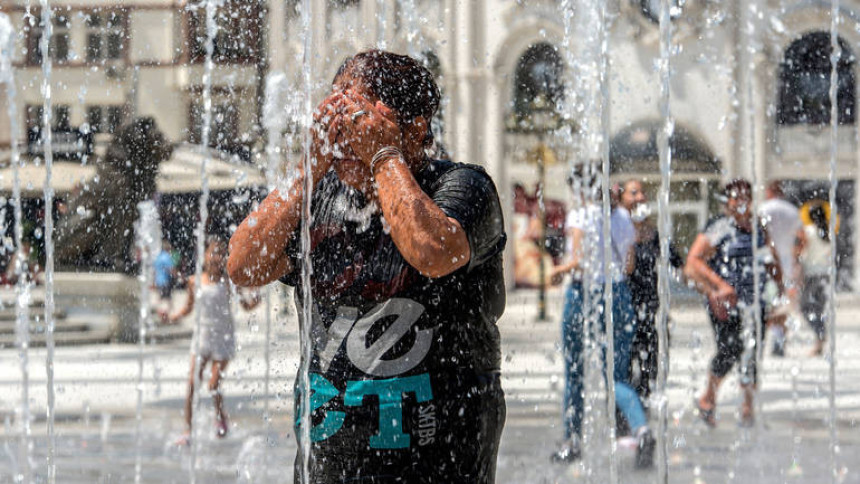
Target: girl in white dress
(215,337)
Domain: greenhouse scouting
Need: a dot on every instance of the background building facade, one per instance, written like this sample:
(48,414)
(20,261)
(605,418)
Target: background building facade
(749,85)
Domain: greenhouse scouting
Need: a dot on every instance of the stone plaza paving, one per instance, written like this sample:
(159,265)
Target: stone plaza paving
(96,401)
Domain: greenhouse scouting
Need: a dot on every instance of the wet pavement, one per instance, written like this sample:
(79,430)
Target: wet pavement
(96,401)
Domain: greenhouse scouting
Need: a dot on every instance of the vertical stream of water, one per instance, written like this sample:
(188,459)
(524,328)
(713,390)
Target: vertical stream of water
(753,315)
(609,271)
(835,54)
(664,228)
(210,7)
(148,242)
(22,285)
(47,146)
(307,268)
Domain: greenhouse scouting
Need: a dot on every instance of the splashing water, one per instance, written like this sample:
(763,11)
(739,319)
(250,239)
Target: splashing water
(609,271)
(835,54)
(47,146)
(148,235)
(211,7)
(665,228)
(22,286)
(275,122)
(307,308)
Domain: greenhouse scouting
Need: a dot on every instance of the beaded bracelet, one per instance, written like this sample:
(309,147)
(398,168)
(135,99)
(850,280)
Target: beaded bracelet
(383,154)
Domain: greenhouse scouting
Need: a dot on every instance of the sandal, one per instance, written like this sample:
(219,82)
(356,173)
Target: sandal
(708,415)
(183,441)
(747,420)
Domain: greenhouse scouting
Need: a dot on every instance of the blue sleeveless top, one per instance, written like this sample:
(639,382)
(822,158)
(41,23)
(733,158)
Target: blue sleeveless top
(733,260)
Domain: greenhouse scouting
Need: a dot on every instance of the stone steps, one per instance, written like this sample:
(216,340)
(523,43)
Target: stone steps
(61,325)
(78,330)
(91,308)
(169,333)
(8,316)
(67,338)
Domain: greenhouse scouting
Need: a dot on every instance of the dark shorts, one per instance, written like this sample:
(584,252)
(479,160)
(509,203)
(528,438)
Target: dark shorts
(729,335)
(463,453)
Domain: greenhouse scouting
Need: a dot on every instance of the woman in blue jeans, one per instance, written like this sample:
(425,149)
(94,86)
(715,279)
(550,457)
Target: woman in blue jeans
(585,247)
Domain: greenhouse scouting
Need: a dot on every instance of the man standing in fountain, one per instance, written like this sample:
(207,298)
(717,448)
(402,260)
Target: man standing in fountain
(407,286)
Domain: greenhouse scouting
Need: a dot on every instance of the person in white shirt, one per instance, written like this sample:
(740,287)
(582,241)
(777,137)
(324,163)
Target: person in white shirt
(814,252)
(781,220)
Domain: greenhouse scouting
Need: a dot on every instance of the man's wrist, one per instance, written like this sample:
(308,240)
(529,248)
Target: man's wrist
(387,153)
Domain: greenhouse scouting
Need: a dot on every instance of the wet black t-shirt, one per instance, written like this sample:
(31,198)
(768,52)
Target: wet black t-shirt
(404,373)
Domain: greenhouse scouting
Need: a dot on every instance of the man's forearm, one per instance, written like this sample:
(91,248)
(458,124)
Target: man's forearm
(257,247)
(428,239)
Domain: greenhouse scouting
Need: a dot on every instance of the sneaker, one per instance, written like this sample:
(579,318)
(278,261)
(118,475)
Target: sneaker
(569,452)
(647,446)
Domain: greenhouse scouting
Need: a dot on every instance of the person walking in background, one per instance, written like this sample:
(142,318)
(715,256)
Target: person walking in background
(407,282)
(781,220)
(643,287)
(721,264)
(165,276)
(814,254)
(214,340)
(587,266)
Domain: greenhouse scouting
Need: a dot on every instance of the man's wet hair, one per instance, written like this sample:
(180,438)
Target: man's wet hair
(399,81)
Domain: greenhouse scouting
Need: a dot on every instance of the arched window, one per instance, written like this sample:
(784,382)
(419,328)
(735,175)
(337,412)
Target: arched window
(804,91)
(538,80)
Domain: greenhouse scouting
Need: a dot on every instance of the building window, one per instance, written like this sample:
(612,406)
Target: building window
(60,44)
(94,118)
(343,3)
(105,34)
(804,92)
(105,119)
(538,85)
(224,128)
(60,117)
(60,39)
(115,118)
(33,113)
(238,38)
